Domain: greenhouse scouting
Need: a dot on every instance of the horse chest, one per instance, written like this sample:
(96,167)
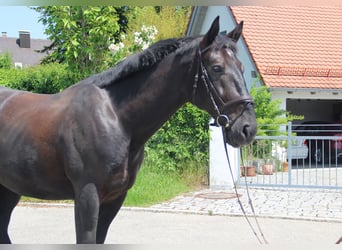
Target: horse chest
(115,185)
(122,178)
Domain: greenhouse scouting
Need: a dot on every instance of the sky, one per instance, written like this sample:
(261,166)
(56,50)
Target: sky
(15,18)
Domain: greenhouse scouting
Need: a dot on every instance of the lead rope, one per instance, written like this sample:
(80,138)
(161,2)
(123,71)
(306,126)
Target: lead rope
(248,195)
(251,204)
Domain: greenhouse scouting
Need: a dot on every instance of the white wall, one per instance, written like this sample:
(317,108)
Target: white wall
(220,176)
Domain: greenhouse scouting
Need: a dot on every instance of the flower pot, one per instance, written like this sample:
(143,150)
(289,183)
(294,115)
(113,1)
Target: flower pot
(286,167)
(267,169)
(248,170)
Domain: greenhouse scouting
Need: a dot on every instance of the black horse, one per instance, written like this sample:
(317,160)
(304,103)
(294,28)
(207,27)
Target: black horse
(87,142)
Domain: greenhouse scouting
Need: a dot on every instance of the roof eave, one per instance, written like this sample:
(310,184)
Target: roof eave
(285,89)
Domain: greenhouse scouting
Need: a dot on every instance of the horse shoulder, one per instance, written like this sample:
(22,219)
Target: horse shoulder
(91,135)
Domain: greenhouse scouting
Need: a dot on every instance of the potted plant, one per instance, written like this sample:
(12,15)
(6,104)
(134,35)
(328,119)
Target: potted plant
(285,166)
(268,167)
(248,170)
(249,167)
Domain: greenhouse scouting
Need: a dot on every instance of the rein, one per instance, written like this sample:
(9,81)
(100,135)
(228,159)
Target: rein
(248,196)
(225,122)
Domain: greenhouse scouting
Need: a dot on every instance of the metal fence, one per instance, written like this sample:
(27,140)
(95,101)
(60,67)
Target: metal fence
(308,156)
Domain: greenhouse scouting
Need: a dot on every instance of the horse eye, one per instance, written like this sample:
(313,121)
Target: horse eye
(217,69)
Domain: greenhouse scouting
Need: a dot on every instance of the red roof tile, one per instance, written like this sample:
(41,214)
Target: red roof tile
(295,47)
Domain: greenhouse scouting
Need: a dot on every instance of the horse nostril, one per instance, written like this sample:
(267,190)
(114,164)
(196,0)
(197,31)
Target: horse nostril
(245,131)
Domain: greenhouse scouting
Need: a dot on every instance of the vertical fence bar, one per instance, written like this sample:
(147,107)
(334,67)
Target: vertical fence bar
(289,153)
(309,168)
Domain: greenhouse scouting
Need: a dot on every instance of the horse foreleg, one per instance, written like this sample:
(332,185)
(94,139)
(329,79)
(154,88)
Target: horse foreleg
(8,201)
(107,213)
(86,214)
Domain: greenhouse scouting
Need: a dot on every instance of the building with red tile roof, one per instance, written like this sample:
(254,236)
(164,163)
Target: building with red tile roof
(296,51)
(295,47)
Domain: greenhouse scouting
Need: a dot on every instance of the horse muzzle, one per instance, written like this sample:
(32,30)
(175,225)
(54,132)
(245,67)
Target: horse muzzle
(242,129)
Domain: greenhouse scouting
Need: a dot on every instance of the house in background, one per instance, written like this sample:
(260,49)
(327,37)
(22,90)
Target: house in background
(23,50)
(296,51)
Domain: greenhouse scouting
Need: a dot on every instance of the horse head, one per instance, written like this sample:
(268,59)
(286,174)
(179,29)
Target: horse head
(220,87)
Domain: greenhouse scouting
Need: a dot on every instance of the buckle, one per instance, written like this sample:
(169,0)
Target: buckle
(223,121)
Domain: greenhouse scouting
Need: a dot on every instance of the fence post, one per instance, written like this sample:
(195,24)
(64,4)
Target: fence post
(289,151)
(219,174)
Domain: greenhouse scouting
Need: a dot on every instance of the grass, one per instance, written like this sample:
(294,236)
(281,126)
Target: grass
(154,186)
(30,199)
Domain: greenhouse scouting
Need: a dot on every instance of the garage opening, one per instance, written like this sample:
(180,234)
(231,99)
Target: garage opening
(315,109)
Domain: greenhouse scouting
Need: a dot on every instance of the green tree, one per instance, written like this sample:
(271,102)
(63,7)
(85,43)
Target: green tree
(271,120)
(80,35)
(171,21)
(268,112)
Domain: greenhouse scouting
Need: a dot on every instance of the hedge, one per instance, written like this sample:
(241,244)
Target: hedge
(46,79)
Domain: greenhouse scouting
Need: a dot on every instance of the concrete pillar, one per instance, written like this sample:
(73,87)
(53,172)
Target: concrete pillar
(219,173)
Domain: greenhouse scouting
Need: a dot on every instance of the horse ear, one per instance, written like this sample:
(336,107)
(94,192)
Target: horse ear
(236,33)
(211,34)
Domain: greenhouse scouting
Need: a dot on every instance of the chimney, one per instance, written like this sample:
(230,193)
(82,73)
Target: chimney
(4,34)
(24,39)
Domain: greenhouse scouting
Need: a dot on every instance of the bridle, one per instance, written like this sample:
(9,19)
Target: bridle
(217,102)
(225,122)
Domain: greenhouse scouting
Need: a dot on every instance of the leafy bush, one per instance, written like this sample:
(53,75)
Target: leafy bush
(47,79)
(5,61)
(184,139)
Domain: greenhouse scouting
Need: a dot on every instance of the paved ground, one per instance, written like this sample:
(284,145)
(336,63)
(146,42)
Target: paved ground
(203,217)
(308,204)
(32,225)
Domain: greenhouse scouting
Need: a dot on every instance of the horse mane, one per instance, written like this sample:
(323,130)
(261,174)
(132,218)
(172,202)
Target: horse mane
(138,62)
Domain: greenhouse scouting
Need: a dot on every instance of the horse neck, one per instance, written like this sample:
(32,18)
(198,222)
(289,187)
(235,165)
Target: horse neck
(148,99)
